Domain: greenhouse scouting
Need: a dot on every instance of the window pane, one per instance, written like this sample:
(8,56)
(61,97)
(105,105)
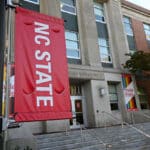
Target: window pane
(113,97)
(103,42)
(68,8)
(33,1)
(114,106)
(147,32)
(128,29)
(69,2)
(99,12)
(105,58)
(71,44)
(127,25)
(72,53)
(126,20)
(146,27)
(104,50)
(71,36)
(112,89)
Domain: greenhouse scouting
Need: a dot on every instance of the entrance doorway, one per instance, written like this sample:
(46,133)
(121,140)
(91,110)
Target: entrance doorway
(77,112)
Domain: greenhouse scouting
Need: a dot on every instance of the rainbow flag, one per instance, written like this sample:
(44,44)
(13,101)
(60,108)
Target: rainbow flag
(129,93)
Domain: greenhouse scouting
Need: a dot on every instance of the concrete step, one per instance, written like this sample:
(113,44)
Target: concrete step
(110,138)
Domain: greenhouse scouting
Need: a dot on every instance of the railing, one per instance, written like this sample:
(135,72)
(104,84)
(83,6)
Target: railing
(145,115)
(82,135)
(129,125)
(96,137)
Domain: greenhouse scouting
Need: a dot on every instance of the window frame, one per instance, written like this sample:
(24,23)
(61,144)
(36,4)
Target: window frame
(114,93)
(129,34)
(96,6)
(77,41)
(130,25)
(147,30)
(108,50)
(30,1)
(62,10)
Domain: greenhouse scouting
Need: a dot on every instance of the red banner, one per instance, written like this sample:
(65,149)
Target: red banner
(41,75)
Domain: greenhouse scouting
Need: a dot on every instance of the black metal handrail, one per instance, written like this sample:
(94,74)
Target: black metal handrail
(129,125)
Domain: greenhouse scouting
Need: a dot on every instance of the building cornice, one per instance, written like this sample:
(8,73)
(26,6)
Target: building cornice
(135,8)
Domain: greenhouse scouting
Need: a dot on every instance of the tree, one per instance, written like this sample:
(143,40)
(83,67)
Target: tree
(139,62)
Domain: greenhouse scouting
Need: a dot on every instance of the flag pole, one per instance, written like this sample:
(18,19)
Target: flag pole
(10,7)
(2,49)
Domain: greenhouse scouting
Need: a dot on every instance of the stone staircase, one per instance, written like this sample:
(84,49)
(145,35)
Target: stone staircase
(110,138)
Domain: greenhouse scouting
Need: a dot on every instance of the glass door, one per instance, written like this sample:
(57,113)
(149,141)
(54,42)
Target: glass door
(77,112)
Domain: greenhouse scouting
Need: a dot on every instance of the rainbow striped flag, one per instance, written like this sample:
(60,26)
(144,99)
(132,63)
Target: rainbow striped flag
(129,94)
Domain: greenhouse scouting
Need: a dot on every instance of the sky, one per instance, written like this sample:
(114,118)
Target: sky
(143,3)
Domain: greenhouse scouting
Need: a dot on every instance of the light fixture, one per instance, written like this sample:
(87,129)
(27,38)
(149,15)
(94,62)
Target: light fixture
(101,91)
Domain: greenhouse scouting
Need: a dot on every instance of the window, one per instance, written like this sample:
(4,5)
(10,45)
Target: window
(33,5)
(112,88)
(68,6)
(143,98)
(99,12)
(147,33)
(103,38)
(129,33)
(75,89)
(128,26)
(104,50)
(68,12)
(33,1)
(72,44)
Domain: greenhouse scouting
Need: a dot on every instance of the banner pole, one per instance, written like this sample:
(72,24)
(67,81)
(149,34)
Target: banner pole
(2,44)
(2,49)
(6,116)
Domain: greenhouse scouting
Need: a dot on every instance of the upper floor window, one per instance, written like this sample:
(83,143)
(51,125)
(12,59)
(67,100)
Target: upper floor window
(99,12)
(127,25)
(129,33)
(113,96)
(104,50)
(68,6)
(72,44)
(147,31)
(33,1)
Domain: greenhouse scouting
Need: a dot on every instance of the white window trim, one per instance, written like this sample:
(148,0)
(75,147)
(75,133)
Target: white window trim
(68,11)
(30,1)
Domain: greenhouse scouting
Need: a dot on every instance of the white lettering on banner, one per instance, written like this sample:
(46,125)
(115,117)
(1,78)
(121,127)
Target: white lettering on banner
(44,54)
(43,66)
(45,99)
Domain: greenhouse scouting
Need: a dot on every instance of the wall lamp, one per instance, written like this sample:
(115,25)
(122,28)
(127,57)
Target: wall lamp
(102,91)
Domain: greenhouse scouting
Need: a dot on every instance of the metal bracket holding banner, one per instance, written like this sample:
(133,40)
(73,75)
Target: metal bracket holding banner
(5,123)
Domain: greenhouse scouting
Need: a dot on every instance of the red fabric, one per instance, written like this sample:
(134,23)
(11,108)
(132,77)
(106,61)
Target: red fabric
(41,73)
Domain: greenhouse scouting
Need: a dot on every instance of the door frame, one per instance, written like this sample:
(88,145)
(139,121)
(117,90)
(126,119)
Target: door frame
(73,98)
